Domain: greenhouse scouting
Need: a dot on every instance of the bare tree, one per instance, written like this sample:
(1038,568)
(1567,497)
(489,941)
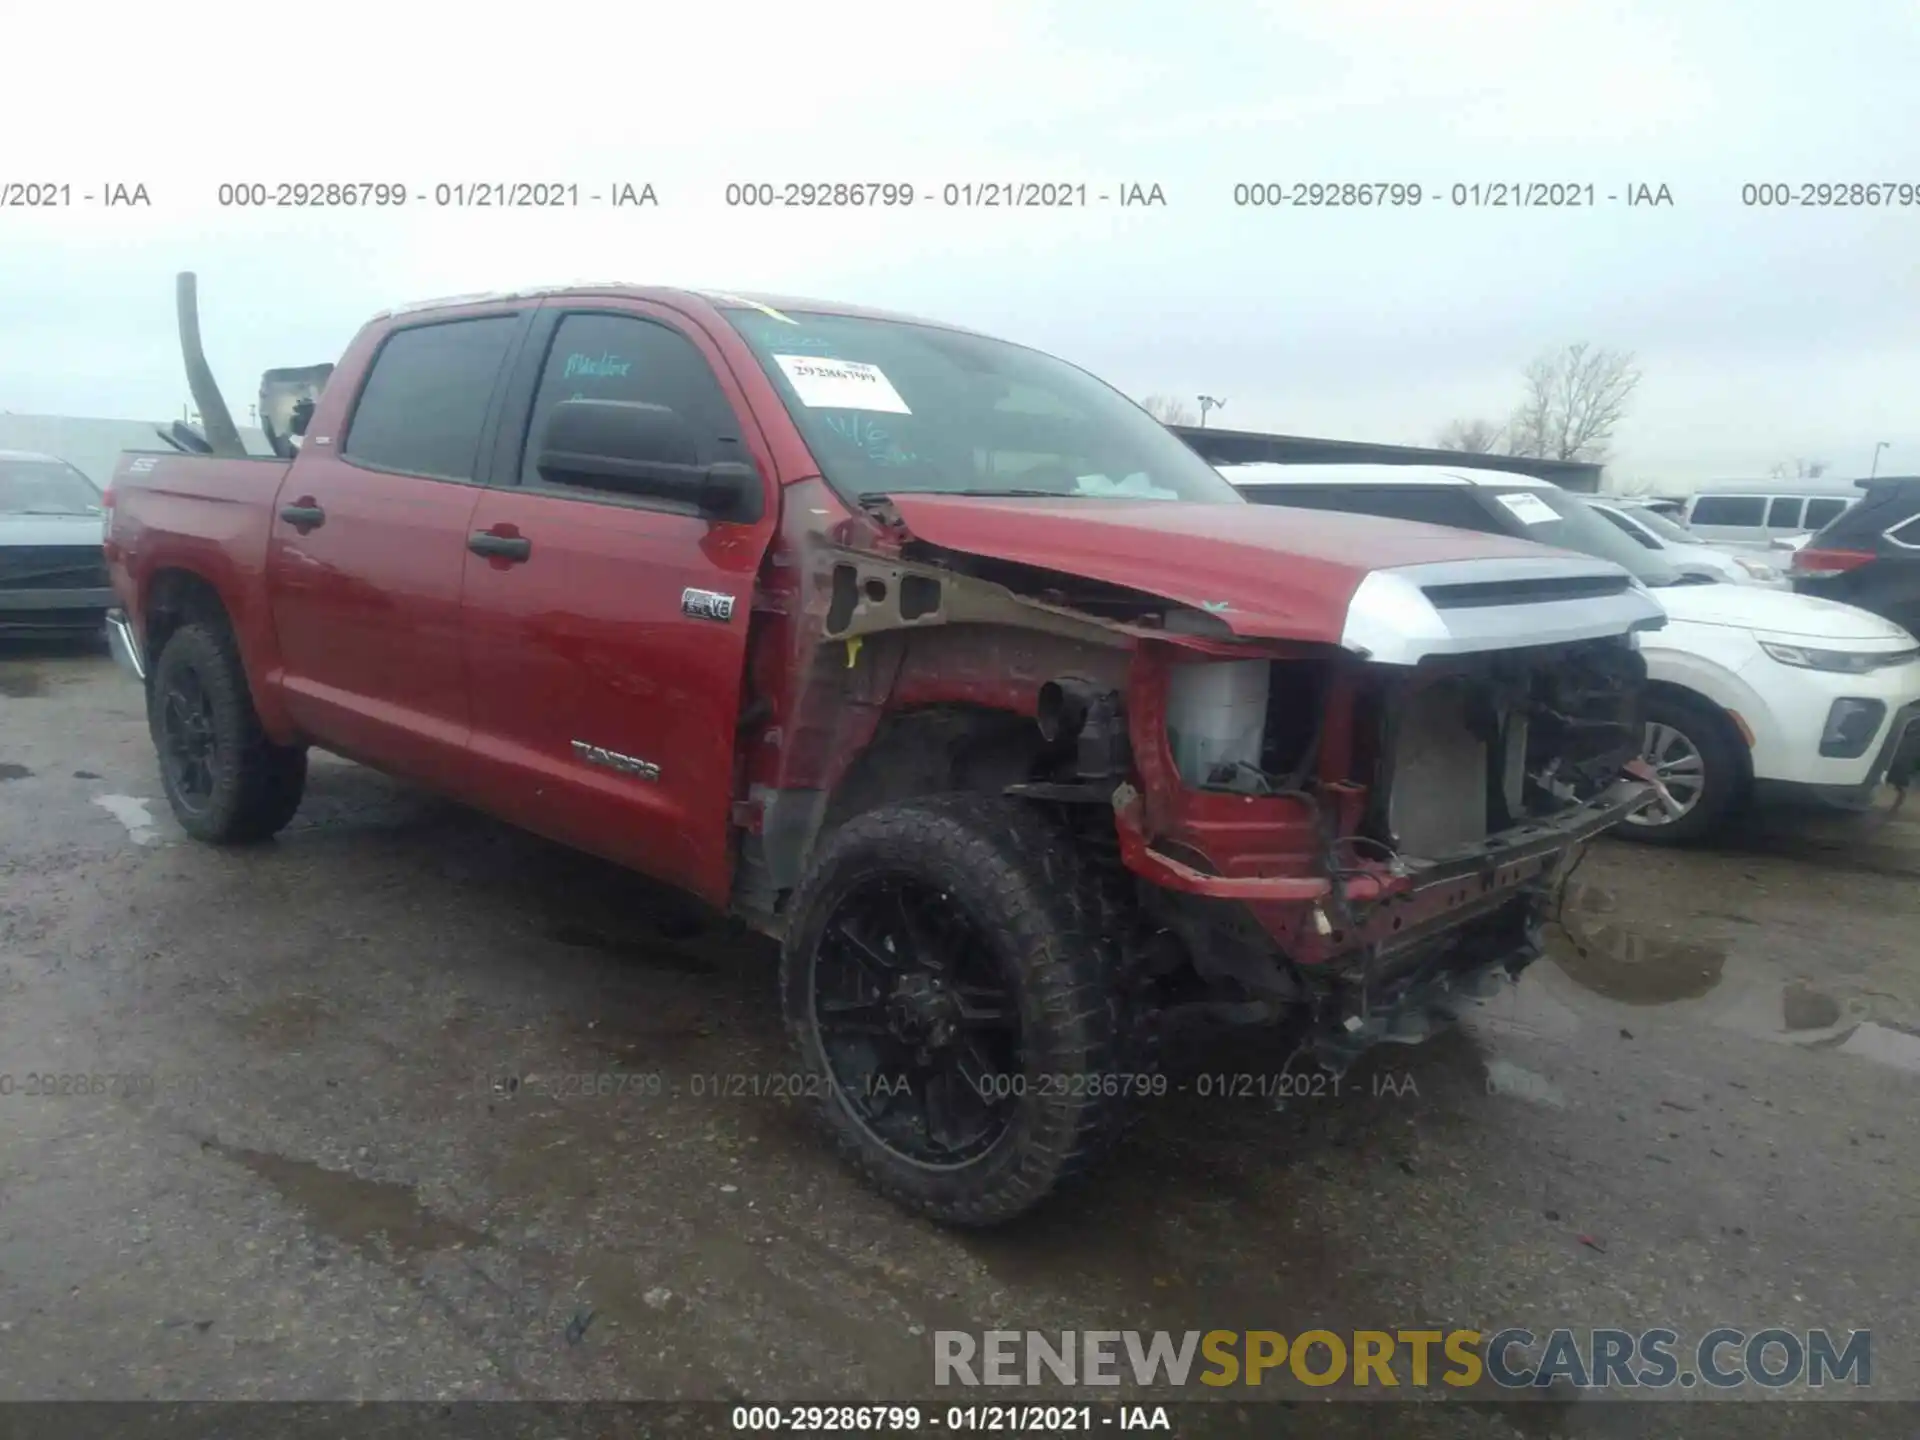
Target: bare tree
(1575,400)
(1478,437)
(1167,410)
(1800,469)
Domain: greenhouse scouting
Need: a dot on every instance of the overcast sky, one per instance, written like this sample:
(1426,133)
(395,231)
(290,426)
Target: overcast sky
(1763,333)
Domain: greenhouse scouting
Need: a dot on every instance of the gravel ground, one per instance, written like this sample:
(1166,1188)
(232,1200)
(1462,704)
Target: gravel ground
(315,1178)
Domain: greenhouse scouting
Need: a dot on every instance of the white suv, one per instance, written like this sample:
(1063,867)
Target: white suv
(1758,695)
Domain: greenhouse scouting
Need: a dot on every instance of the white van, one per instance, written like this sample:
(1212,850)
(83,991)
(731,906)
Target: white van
(1755,513)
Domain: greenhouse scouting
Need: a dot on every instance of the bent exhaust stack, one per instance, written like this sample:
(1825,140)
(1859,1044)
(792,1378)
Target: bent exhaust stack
(216,423)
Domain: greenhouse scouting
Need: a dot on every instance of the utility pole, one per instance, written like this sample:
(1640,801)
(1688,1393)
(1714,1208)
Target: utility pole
(1207,402)
(1875,470)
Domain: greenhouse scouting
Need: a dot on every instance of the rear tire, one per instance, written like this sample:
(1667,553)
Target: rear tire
(1703,760)
(937,912)
(226,782)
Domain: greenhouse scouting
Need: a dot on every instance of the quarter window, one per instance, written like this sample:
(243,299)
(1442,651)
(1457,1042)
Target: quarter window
(425,400)
(1748,510)
(1822,513)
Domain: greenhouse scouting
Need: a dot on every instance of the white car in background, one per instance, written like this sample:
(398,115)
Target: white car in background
(1758,695)
(1686,551)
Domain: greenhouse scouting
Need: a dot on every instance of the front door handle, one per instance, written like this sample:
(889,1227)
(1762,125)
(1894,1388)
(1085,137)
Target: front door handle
(499,547)
(303,514)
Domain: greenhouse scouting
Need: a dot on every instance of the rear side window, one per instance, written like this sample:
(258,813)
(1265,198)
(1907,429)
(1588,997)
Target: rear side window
(623,357)
(1880,509)
(1308,497)
(425,401)
(1452,506)
(1822,513)
(1729,510)
(1783,512)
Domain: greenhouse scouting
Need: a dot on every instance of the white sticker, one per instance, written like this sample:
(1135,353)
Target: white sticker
(841,384)
(1528,508)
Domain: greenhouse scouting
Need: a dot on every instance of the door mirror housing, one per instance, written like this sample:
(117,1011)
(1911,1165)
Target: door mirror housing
(645,450)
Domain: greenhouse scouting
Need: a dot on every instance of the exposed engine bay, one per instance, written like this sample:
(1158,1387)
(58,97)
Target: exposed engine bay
(1444,827)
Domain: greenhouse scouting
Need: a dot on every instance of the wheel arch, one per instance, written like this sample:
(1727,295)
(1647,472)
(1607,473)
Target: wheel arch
(1701,703)
(174,596)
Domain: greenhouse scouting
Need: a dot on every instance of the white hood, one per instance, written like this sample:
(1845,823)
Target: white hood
(1777,612)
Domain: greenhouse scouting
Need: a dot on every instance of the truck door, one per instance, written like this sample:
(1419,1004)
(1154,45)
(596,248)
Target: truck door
(606,633)
(368,545)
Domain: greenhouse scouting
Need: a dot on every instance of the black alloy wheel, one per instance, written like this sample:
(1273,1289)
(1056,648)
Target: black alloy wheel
(919,1024)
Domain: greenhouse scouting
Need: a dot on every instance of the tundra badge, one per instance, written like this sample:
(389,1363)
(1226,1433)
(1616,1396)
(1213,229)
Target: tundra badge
(613,760)
(706,605)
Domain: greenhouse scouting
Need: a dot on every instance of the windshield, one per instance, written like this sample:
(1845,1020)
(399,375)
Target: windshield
(45,487)
(1663,527)
(1554,517)
(891,407)
(1626,527)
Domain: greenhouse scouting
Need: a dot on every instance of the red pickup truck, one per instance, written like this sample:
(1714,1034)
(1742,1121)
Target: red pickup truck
(929,654)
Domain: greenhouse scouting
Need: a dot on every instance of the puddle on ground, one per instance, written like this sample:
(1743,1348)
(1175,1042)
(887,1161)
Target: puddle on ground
(362,1213)
(1601,955)
(14,772)
(18,684)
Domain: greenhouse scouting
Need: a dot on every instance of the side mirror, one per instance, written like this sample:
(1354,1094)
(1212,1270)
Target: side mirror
(646,450)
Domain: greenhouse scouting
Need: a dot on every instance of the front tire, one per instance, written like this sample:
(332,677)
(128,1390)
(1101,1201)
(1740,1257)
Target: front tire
(226,782)
(1693,748)
(954,1005)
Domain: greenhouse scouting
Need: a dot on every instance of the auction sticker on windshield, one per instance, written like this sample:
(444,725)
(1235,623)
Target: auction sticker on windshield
(1529,509)
(841,384)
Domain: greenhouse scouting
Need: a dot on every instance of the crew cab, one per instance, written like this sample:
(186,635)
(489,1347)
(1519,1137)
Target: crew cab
(926,653)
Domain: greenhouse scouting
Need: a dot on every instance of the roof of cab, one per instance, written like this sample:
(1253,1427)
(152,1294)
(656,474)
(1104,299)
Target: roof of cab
(1274,473)
(777,305)
(30,455)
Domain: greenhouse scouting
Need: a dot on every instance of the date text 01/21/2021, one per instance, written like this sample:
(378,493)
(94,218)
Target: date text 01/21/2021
(953,195)
(444,195)
(1478,195)
(908,1419)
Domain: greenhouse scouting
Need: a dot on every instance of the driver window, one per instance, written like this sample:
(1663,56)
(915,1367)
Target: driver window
(623,357)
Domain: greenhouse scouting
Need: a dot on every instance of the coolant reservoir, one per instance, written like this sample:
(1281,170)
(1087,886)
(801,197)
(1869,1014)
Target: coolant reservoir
(1216,715)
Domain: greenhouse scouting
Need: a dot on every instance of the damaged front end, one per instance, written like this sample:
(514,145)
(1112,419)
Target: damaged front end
(1342,832)
(1387,840)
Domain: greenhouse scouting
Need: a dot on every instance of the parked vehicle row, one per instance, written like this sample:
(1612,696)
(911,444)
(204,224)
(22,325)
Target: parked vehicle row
(1756,695)
(1754,514)
(1685,551)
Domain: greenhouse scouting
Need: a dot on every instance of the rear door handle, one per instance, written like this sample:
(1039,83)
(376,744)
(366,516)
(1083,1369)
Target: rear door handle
(304,515)
(499,547)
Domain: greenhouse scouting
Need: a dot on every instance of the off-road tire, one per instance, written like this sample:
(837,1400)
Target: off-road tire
(1018,879)
(257,784)
(1726,784)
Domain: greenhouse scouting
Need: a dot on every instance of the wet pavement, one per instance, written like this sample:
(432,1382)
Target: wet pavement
(409,1105)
